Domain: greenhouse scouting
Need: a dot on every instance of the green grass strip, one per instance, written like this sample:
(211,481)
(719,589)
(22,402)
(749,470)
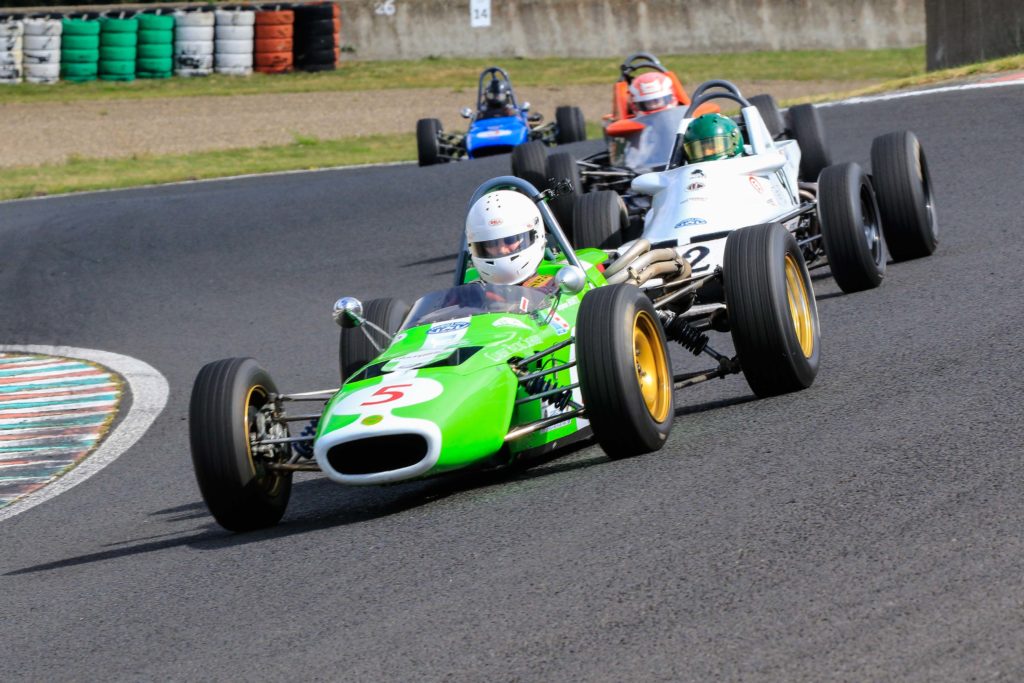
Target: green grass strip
(461,75)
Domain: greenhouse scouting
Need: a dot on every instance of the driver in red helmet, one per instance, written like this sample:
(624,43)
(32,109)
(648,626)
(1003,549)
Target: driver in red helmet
(651,92)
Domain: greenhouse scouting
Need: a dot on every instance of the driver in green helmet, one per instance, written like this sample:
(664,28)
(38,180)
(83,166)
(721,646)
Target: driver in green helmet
(712,136)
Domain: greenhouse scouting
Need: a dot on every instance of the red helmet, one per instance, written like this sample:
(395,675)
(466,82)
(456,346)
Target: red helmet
(652,92)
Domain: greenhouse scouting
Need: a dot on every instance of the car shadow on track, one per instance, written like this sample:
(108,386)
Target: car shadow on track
(312,509)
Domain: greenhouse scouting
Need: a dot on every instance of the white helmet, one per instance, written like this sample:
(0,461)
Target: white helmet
(652,92)
(505,234)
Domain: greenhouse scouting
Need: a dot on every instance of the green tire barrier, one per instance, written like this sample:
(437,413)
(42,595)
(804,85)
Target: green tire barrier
(117,54)
(79,73)
(117,68)
(156,37)
(110,25)
(119,39)
(80,42)
(79,56)
(155,51)
(155,22)
(80,27)
(153,74)
(155,65)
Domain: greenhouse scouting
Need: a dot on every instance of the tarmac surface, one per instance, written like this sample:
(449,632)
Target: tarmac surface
(869,528)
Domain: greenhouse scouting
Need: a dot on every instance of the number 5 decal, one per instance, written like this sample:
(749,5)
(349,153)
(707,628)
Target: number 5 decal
(391,392)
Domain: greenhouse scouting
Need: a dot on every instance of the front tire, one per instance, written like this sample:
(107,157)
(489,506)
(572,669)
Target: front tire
(772,312)
(563,166)
(904,189)
(529,161)
(354,348)
(624,370)
(599,220)
(850,227)
(427,144)
(807,129)
(224,416)
(571,125)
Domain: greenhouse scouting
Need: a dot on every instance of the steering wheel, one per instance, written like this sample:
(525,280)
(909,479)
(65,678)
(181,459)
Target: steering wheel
(713,90)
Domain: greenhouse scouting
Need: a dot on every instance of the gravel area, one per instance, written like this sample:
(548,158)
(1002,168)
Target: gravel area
(52,132)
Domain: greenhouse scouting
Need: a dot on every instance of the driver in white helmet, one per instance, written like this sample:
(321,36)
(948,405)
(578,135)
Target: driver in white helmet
(505,234)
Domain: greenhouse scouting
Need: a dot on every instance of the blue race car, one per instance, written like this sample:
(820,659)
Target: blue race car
(498,125)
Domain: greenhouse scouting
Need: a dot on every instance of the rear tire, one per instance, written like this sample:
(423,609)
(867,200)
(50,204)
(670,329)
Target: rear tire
(427,144)
(599,220)
(850,227)
(771,309)
(563,166)
(571,125)
(625,371)
(529,161)
(807,129)
(354,349)
(770,113)
(240,492)
(904,189)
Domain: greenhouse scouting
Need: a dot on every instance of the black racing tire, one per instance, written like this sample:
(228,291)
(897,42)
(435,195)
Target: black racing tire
(625,371)
(529,161)
(770,113)
(806,127)
(563,166)
(851,228)
(771,308)
(599,220)
(570,125)
(427,144)
(240,492)
(904,189)
(355,349)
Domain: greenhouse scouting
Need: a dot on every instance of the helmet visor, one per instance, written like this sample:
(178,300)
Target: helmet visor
(503,246)
(656,103)
(696,150)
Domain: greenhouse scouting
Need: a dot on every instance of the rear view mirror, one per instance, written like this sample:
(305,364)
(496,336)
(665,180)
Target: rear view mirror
(466,113)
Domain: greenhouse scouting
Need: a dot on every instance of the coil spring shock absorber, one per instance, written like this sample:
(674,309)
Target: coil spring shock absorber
(691,339)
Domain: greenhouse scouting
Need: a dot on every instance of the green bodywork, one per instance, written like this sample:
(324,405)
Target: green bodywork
(473,404)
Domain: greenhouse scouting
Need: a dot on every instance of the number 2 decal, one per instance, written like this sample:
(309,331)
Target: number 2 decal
(695,255)
(391,392)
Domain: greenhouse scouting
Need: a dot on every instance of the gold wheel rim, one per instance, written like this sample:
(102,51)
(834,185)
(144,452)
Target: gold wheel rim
(652,372)
(799,306)
(270,482)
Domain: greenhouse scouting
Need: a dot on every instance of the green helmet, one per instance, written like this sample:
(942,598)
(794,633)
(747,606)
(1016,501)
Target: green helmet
(712,136)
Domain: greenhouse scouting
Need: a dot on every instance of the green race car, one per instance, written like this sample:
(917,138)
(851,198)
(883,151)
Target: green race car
(482,375)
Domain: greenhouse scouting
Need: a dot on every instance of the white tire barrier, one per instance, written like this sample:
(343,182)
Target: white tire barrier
(194,34)
(10,74)
(11,58)
(41,43)
(11,43)
(235,17)
(233,61)
(11,29)
(234,32)
(193,43)
(193,19)
(193,48)
(43,27)
(232,53)
(32,57)
(43,73)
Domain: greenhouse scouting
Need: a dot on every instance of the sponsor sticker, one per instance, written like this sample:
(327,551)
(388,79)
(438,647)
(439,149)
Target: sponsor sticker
(416,359)
(449,326)
(493,133)
(697,174)
(695,186)
(538,281)
(386,396)
(558,324)
(687,222)
(756,184)
(511,322)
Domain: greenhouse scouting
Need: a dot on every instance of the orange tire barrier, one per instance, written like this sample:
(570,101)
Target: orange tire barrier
(273,45)
(275,18)
(273,59)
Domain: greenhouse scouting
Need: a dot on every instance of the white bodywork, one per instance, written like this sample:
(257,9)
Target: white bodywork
(696,205)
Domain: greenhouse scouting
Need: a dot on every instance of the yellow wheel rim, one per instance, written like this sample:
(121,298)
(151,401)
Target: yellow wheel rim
(652,372)
(270,482)
(799,306)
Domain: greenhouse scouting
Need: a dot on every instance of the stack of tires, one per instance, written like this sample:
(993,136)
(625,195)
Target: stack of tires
(42,50)
(119,39)
(314,42)
(11,51)
(273,45)
(233,48)
(79,49)
(155,57)
(193,43)
(336,20)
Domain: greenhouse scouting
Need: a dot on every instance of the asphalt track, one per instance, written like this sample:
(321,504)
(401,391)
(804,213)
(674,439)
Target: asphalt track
(869,528)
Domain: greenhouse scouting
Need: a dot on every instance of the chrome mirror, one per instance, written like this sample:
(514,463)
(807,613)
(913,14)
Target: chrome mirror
(570,280)
(348,312)
(526,106)
(467,113)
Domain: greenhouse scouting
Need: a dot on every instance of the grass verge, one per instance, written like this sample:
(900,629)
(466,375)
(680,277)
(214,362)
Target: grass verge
(462,74)
(77,175)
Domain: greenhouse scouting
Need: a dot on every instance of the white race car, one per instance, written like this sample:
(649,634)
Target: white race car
(843,220)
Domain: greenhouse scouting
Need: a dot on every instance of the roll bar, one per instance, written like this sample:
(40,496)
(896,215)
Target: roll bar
(506,182)
(494,72)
